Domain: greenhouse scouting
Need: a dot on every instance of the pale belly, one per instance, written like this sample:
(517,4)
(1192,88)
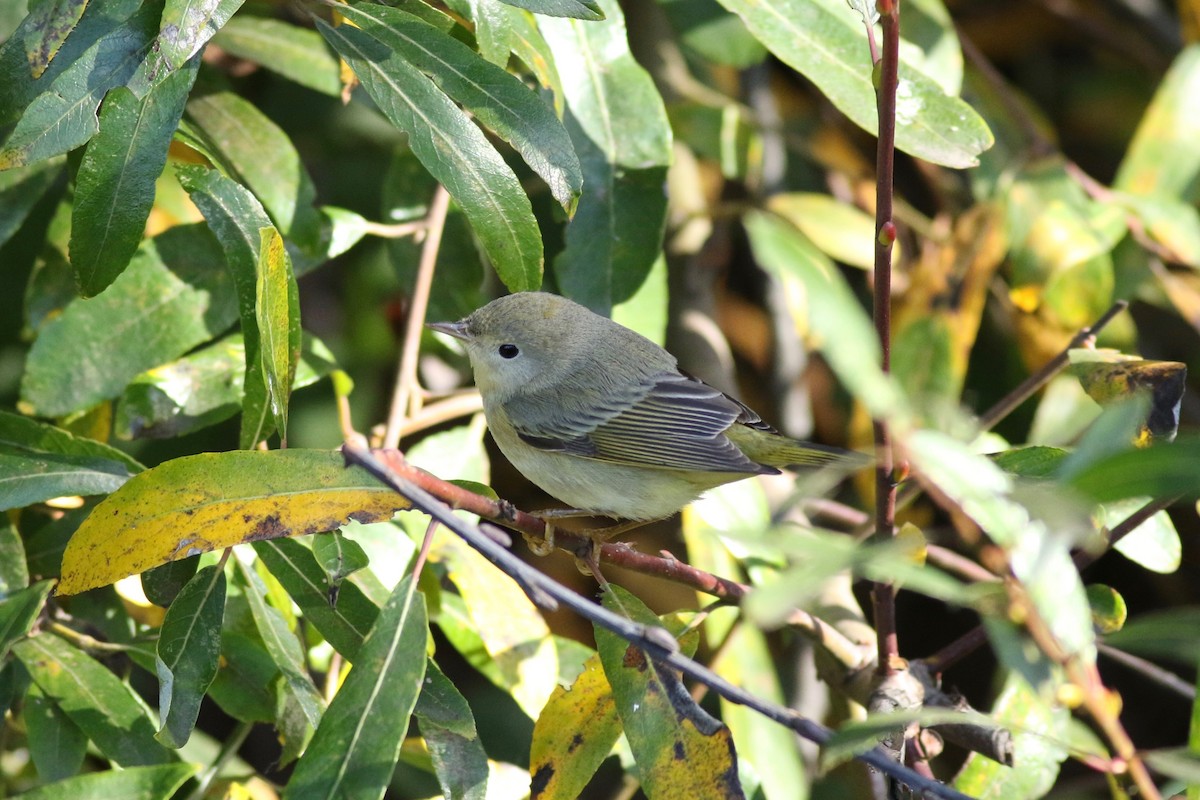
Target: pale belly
(606,489)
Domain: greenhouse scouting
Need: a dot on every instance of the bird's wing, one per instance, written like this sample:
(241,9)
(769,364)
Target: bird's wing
(668,421)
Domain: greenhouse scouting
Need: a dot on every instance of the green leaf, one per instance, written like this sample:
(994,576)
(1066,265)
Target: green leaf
(297,692)
(1037,728)
(714,33)
(103,707)
(1036,461)
(114,188)
(14,571)
(243,686)
(454,151)
(497,99)
(841,231)
(201,389)
(39,462)
(256,152)
(189,648)
(344,624)
(354,751)
(162,585)
(620,129)
(448,728)
(679,748)
(1173,634)
(56,744)
(1160,471)
(579,9)
(277,312)
(1039,550)
(57,112)
(298,54)
(88,353)
(48,26)
(21,189)
(822,40)
(837,324)
(187,24)
(1164,157)
(338,556)
(19,610)
(236,218)
(1108,608)
(209,501)
(494,34)
(136,783)
(1154,544)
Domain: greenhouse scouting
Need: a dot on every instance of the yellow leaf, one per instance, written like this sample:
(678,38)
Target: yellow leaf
(214,500)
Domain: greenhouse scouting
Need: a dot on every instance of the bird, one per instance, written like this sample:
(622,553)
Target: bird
(602,419)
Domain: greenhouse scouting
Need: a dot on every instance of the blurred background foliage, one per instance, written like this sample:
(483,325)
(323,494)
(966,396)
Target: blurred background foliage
(1085,191)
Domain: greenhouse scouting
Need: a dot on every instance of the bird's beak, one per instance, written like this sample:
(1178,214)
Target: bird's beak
(456,329)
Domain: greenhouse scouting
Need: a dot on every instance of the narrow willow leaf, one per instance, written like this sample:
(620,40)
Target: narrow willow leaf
(355,749)
(822,40)
(57,112)
(836,322)
(56,744)
(90,351)
(189,648)
(162,585)
(187,24)
(101,705)
(344,624)
(578,9)
(277,313)
(115,185)
(258,154)
(39,462)
(497,99)
(21,189)
(209,501)
(19,610)
(676,744)
(338,556)
(575,732)
(448,728)
(298,691)
(243,686)
(201,389)
(144,783)
(298,54)
(454,151)
(236,218)
(1164,157)
(49,25)
(619,125)
(14,571)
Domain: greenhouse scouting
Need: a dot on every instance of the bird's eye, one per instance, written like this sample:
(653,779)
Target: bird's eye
(509,351)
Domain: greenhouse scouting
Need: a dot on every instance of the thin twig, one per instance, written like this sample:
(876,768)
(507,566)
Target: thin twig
(1149,670)
(406,377)
(887,69)
(652,640)
(1037,380)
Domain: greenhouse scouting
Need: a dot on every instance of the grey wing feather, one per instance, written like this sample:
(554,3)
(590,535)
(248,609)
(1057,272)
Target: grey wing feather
(669,421)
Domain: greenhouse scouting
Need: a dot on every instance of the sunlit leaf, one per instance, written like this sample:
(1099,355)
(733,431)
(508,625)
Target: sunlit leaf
(298,54)
(115,185)
(453,150)
(616,119)
(497,99)
(39,462)
(676,743)
(355,749)
(189,647)
(204,502)
(104,708)
(822,40)
(150,783)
